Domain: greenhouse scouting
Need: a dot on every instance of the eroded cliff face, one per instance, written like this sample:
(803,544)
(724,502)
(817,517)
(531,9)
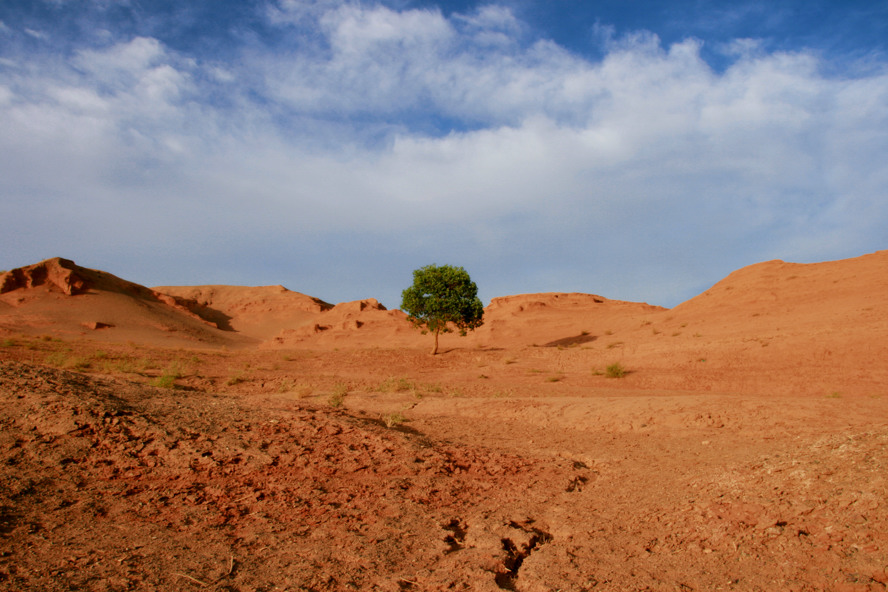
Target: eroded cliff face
(56,273)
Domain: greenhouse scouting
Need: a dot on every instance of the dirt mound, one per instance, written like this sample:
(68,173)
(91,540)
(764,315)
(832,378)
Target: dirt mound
(59,298)
(797,291)
(556,319)
(820,327)
(361,323)
(259,312)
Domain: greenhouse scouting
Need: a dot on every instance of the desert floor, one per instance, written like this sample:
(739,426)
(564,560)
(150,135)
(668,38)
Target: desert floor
(134,467)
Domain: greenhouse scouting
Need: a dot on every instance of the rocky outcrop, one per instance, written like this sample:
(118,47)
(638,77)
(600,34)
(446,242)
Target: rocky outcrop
(55,274)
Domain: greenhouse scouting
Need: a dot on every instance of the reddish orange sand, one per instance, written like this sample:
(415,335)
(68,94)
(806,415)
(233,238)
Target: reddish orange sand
(233,438)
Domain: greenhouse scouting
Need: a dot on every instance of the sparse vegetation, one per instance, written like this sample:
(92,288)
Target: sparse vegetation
(337,398)
(392,420)
(63,359)
(615,370)
(164,381)
(395,385)
(124,365)
(235,379)
(168,378)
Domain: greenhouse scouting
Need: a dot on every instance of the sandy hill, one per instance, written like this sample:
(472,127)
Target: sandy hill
(825,324)
(58,298)
(259,312)
(773,313)
(557,319)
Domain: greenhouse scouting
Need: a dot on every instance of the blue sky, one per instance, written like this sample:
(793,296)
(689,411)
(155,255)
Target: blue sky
(635,149)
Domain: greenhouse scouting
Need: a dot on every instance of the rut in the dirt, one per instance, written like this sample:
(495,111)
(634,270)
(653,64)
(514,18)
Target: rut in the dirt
(516,554)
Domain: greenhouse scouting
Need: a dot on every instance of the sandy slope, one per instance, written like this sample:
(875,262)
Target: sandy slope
(57,297)
(745,449)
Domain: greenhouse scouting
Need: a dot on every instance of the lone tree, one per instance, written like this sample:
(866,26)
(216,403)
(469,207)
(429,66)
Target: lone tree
(441,299)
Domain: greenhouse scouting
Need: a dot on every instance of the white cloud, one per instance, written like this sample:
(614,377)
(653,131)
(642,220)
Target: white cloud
(36,34)
(405,129)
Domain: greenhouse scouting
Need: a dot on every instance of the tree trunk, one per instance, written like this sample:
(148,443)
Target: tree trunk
(435,351)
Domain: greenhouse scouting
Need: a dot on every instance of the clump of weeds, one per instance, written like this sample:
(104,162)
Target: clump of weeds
(393,420)
(337,398)
(615,370)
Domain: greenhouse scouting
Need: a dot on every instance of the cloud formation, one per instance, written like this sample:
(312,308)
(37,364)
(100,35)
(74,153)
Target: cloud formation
(339,145)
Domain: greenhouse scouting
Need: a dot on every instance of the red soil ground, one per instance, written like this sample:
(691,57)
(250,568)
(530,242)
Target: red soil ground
(230,438)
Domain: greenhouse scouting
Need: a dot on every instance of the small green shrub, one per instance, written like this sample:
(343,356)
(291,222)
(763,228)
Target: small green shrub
(393,419)
(338,397)
(174,369)
(167,381)
(615,370)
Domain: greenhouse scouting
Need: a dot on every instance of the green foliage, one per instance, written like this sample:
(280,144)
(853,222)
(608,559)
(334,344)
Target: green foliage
(441,299)
(165,381)
(169,376)
(615,370)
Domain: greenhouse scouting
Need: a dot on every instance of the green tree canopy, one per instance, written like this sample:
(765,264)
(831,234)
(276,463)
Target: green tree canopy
(441,299)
